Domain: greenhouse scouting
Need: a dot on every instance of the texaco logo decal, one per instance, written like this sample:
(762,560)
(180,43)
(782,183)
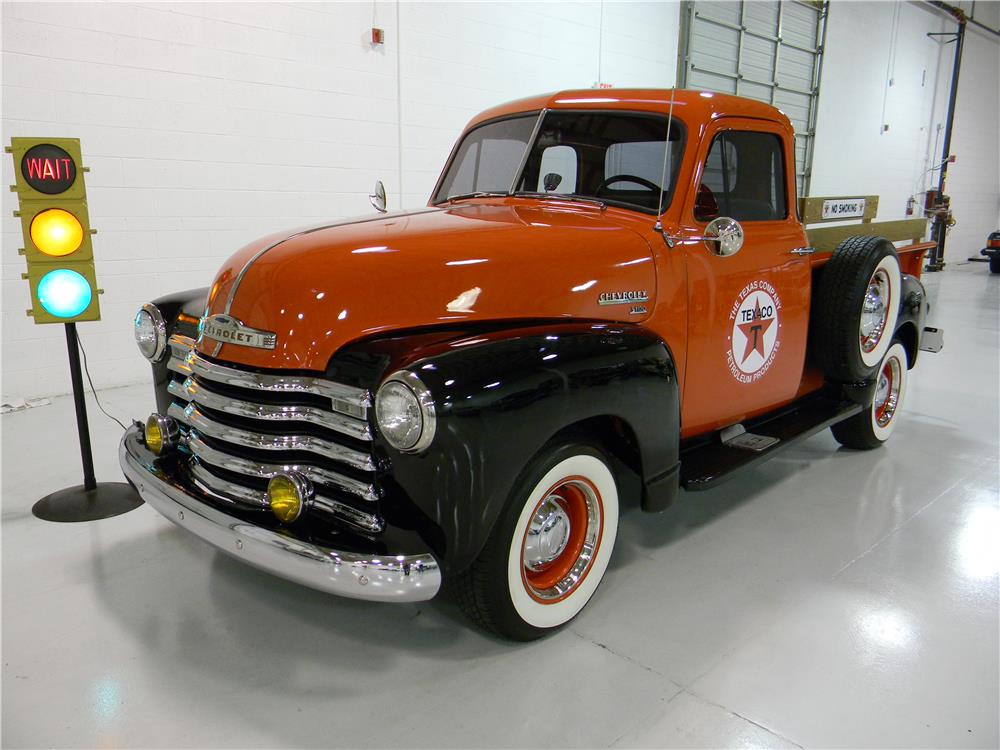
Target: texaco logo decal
(754,341)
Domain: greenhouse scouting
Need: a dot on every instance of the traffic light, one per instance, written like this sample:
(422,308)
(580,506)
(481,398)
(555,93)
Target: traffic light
(55,224)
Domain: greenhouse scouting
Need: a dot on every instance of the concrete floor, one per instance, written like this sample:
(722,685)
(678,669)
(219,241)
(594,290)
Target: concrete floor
(830,598)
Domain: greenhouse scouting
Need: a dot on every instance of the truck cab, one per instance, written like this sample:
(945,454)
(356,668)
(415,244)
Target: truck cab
(609,296)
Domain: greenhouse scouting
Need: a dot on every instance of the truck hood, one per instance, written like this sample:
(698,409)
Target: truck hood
(322,287)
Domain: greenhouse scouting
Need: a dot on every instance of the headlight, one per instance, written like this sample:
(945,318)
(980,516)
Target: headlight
(150,332)
(404,410)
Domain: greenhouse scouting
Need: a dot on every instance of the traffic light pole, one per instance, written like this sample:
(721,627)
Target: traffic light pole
(82,426)
(91,500)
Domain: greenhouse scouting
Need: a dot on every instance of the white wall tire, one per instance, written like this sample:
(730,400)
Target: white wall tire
(873,426)
(584,473)
(884,410)
(550,548)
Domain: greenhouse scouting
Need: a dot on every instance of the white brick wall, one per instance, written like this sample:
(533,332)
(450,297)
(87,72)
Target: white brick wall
(209,124)
(853,155)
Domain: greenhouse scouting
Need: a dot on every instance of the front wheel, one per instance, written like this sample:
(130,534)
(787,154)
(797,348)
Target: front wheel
(550,547)
(872,427)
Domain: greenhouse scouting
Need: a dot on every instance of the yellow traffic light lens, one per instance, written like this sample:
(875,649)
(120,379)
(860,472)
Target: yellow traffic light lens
(287,495)
(56,232)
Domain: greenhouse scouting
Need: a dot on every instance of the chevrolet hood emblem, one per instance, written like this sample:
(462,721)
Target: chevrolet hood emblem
(229,330)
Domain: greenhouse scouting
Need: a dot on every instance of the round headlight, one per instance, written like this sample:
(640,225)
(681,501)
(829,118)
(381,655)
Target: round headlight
(150,331)
(405,412)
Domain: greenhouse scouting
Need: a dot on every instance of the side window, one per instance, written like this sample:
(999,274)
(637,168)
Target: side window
(744,178)
(557,173)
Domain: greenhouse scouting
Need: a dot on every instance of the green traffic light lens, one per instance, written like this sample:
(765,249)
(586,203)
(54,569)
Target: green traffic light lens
(64,293)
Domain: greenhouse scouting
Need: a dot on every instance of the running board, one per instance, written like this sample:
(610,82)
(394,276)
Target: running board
(708,462)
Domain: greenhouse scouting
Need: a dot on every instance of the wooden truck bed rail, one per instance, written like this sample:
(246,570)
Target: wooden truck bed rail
(826,238)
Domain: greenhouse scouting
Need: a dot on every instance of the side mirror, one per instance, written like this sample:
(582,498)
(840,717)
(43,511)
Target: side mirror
(378,197)
(727,232)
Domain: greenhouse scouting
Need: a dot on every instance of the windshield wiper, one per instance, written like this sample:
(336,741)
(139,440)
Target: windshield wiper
(477,194)
(561,196)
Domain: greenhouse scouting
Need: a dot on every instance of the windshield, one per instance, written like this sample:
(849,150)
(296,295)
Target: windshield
(612,156)
(488,158)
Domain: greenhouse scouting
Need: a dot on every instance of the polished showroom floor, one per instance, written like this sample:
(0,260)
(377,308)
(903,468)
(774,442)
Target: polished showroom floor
(828,598)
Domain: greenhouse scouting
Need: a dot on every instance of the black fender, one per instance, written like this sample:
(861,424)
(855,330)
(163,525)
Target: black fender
(913,309)
(192,304)
(501,396)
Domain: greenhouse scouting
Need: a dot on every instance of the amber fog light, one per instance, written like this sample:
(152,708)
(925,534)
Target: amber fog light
(288,495)
(161,434)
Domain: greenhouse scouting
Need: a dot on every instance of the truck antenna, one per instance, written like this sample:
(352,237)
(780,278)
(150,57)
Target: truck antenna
(666,156)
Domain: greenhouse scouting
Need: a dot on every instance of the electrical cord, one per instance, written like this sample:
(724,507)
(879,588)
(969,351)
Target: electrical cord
(93,390)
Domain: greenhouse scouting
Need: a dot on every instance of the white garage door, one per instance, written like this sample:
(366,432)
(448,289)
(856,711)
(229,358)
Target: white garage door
(770,51)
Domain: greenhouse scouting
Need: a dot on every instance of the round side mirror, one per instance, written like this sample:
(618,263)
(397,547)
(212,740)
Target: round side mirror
(727,233)
(378,197)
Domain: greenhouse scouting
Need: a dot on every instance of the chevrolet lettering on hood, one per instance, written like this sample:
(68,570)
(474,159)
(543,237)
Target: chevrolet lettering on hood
(228,330)
(623,298)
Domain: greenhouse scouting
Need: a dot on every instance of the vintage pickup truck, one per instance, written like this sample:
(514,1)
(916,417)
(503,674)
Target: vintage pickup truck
(611,295)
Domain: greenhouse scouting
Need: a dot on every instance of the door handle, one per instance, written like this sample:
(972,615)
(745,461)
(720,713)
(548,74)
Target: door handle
(803,251)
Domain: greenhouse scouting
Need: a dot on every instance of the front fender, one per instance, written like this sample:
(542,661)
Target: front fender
(501,396)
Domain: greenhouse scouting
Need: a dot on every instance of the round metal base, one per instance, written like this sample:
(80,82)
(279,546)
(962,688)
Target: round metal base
(75,504)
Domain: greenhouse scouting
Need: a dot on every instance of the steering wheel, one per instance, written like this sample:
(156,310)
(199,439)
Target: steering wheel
(626,178)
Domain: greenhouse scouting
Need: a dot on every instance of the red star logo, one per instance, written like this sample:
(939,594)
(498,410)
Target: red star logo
(754,331)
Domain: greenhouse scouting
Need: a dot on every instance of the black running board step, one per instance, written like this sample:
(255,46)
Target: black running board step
(706,463)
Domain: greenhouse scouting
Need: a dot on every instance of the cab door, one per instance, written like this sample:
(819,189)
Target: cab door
(748,313)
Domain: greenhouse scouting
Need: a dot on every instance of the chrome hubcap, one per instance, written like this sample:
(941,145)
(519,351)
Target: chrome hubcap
(874,310)
(882,390)
(887,392)
(548,534)
(561,540)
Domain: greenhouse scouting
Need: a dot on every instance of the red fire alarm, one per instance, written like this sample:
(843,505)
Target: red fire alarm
(378,36)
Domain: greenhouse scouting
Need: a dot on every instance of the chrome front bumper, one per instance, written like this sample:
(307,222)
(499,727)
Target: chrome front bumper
(387,578)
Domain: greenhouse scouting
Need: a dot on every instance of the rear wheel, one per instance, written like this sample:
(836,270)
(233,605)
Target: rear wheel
(995,263)
(872,427)
(550,547)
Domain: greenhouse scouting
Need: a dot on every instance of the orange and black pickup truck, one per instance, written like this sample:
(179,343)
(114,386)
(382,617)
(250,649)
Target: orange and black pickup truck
(609,297)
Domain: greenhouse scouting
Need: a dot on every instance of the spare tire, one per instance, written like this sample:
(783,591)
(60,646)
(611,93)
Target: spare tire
(855,308)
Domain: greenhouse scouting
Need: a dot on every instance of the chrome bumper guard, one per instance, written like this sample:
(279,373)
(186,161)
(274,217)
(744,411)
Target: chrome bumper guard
(385,578)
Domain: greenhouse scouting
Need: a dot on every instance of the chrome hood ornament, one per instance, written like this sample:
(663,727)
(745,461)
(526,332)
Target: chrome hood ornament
(229,330)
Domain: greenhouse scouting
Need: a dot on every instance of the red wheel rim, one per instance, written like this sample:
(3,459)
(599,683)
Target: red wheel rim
(577,502)
(887,391)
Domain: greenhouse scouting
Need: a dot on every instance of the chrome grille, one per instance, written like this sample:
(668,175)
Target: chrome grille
(242,427)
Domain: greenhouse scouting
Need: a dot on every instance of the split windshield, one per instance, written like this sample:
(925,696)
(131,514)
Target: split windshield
(610,156)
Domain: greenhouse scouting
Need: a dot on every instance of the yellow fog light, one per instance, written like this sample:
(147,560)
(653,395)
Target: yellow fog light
(161,433)
(288,495)
(56,232)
